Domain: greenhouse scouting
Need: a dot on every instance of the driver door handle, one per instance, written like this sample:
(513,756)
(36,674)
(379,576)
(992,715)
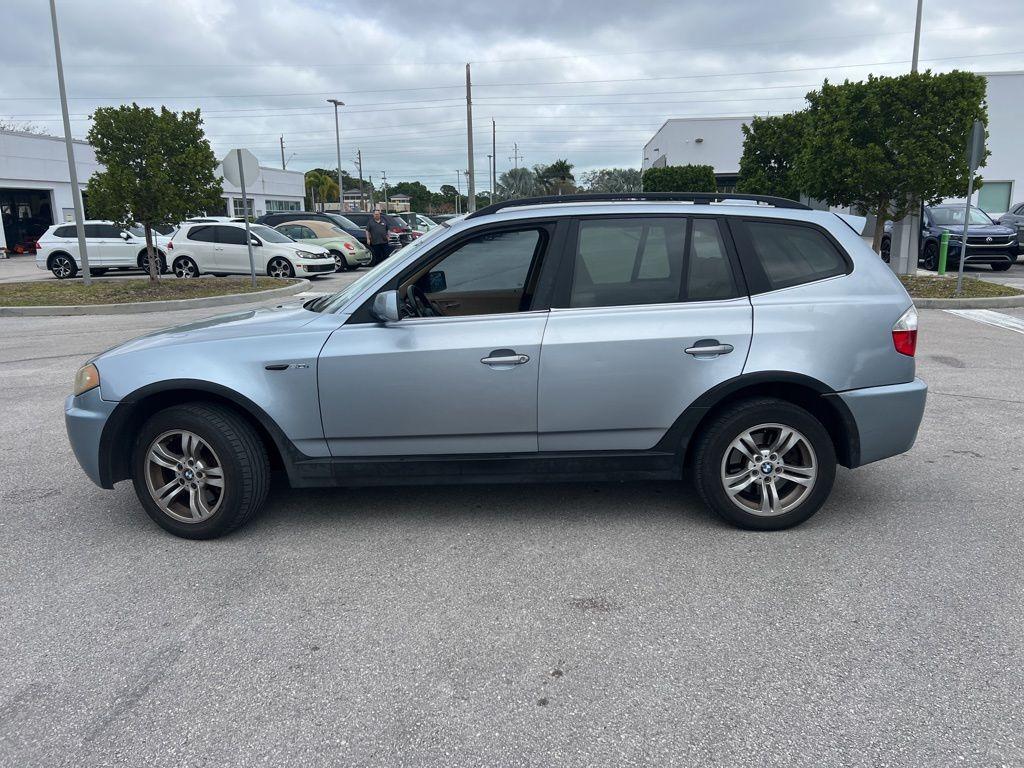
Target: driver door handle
(709,347)
(505,357)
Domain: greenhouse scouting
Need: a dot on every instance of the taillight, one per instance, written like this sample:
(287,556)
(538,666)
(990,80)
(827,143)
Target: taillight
(904,333)
(348,246)
(170,246)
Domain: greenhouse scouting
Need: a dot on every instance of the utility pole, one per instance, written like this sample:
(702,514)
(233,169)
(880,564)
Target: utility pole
(359,164)
(384,181)
(337,143)
(494,160)
(516,157)
(76,193)
(282,153)
(490,180)
(371,194)
(907,235)
(458,190)
(470,176)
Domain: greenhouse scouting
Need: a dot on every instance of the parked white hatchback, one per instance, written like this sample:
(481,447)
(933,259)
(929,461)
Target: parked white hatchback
(108,246)
(220,249)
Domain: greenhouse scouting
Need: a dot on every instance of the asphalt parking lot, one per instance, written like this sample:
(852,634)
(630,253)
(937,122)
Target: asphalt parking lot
(573,625)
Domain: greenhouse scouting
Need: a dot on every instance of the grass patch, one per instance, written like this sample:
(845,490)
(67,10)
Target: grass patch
(64,293)
(945,288)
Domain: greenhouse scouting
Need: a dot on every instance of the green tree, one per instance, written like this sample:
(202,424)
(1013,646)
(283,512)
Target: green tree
(556,178)
(419,195)
(612,180)
(158,169)
(516,183)
(321,187)
(878,144)
(770,149)
(680,178)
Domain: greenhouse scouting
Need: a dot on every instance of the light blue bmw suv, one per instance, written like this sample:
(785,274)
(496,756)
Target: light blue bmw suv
(746,341)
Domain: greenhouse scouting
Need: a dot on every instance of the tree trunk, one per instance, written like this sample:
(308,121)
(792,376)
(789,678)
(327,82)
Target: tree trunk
(880,218)
(151,257)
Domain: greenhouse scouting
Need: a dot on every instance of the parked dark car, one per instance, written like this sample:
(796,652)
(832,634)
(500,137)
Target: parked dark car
(283,217)
(399,231)
(1014,218)
(987,242)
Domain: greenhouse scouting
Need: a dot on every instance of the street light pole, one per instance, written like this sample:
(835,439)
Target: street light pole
(76,193)
(907,235)
(470,175)
(337,143)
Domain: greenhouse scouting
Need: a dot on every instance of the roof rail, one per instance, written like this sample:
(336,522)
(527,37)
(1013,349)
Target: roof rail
(607,197)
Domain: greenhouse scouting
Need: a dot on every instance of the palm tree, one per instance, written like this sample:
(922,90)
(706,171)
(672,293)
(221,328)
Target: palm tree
(320,187)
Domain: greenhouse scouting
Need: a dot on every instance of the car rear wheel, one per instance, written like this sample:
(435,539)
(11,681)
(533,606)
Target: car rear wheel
(200,470)
(886,249)
(764,464)
(184,267)
(143,262)
(280,267)
(63,266)
(931,257)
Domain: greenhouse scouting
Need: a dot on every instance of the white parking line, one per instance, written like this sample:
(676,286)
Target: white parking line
(990,317)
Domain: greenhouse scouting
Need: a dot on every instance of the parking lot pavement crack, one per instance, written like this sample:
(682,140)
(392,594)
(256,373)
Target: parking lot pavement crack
(975,397)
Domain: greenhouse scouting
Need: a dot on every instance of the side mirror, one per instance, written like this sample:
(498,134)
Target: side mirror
(385,307)
(126,236)
(254,241)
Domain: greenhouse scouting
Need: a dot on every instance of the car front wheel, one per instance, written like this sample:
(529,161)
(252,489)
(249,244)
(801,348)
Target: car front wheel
(200,470)
(931,257)
(764,464)
(280,267)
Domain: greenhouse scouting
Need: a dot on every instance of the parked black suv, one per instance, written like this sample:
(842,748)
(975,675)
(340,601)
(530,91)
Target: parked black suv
(987,242)
(282,217)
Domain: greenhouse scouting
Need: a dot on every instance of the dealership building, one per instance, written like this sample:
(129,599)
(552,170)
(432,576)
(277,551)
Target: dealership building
(718,142)
(35,187)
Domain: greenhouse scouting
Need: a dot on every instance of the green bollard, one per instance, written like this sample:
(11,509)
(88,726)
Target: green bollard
(943,248)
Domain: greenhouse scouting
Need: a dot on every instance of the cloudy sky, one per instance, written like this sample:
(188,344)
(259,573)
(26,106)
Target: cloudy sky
(588,80)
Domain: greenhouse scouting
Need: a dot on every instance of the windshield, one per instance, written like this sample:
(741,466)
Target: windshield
(954,217)
(332,302)
(341,221)
(138,231)
(268,234)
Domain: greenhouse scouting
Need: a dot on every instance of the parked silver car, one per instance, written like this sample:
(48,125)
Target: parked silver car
(751,343)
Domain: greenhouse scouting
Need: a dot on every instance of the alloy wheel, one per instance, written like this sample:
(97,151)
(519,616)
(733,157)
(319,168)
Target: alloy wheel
(185,268)
(61,267)
(184,476)
(769,470)
(279,268)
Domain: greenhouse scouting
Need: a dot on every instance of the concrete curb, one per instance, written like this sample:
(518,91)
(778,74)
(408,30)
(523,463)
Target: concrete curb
(986,302)
(140,307)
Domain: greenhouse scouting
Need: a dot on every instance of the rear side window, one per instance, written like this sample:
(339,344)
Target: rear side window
(201,234)
(623,262)
(94,231)
(791,254)
(65,232)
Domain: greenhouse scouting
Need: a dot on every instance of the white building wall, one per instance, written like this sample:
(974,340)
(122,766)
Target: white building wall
(274,185)
(714,141)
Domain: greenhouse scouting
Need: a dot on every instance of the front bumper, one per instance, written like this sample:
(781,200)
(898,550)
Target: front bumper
(85,416)
(887,418)
(311,267)
(983,254)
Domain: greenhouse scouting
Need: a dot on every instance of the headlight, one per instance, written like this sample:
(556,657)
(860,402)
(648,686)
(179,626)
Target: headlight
(87,378)
(307,255)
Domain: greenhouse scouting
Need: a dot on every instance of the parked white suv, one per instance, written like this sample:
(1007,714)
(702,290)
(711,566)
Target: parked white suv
(220,249)
(109,247)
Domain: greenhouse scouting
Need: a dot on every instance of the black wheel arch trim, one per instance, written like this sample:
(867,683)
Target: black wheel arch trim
(117,439)
(842,426)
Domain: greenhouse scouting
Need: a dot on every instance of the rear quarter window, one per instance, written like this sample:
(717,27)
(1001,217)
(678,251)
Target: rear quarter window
(793,254)
(65,232)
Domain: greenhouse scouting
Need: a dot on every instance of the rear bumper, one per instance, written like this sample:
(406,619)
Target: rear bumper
(887,418)
(85,416)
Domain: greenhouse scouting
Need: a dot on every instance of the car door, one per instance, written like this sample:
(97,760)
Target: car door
(461,382)
(649,314)
(98,239)
(231,253)
(124,247)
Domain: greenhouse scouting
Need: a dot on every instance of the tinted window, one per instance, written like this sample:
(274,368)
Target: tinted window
(230,235)
(201,234)
(622,262)
(94,231)
(791,254)
(359,219)
(65,232)
(485,275)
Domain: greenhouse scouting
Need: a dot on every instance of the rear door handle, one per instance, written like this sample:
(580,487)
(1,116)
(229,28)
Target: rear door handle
(709,348)
(505,357)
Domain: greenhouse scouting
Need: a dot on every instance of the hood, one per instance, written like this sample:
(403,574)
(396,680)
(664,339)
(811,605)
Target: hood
(978,229)
(236,325)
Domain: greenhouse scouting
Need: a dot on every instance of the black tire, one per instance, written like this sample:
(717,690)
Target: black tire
(340,262)
(931,256)
(143,262)
(713,448)
(282,266)
(98,271)
(62,266)
(241,454)
(1002,266)
(886,249)
(185,267)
